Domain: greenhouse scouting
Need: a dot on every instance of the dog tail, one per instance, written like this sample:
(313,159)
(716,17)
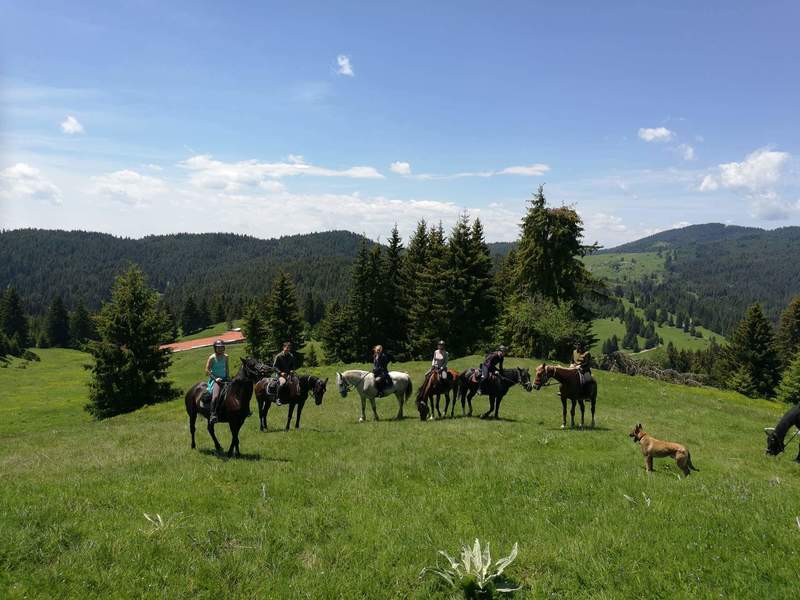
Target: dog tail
(690,465)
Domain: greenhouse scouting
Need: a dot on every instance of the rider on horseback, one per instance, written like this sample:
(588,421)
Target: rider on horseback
(217,371)
(439,362)
(582,360)
(285,365)
(493,363)
(380,369)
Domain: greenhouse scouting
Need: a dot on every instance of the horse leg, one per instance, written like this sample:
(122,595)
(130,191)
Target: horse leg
(214,437)
(470,396)
(374,408)
(192,421)
(267,404)
(299,410)
(363,416)
(563,411)
(452,404)
(572,414)
(401,397)
(438,400)
(581,404)
(497,407)
(594,400)
(289,416)
(488,413)
(234,438)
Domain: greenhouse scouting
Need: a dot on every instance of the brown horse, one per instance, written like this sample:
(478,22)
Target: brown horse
(570,388)
(466,387)
(234,408)
(435,385)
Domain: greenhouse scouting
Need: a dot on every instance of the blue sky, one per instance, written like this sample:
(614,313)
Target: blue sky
(279,118)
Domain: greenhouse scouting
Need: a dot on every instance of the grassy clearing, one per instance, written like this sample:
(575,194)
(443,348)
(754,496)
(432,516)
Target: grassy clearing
(622,267)
(211,330)
(346,510)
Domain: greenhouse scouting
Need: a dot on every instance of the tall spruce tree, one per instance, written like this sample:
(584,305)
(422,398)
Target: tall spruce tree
(336,334)
(430,315)
(13,321)
(787,338)
(549,252)
(363,302)
(282,315)
(750,355)
(395,296)
(219,313)
(129,368)
(255,331)
(190,317)
(57,324)
(81,328)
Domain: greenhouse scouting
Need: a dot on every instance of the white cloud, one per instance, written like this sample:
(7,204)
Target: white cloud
(759,170)
(686,151)
(345,68)
(128,187)
(655,134)
(154,167)
(71,126)
(24,182)
(235,176)
(758,176)
(400,167)
(296,159)
(534,170)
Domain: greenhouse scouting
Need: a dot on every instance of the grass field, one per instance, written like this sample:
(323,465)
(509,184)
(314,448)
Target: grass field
(215,329)
(618,268)
(346,510)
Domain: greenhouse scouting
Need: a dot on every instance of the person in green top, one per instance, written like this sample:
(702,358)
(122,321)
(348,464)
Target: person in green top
(218,373)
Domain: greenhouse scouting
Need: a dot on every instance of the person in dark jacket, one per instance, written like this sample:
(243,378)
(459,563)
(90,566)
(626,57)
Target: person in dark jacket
(284,364)
(582,360)
(493,363)
(380,369)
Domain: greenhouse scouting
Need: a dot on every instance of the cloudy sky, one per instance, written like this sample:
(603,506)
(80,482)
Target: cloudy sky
(279,118)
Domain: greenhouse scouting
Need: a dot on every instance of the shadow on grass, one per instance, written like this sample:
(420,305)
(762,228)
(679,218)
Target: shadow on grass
(244,456)
(577,429)
(292,428)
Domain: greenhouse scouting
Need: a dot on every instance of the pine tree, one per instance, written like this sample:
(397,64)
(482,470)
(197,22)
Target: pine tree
(311,357)
(787,338)
(483,304)
(13,321)
(336,334)
(57,324)
(395,297)
(431,313)
(129,368)
(282,315)
(255,332)
(81,327)
(218,312)
(172,322)
(363,304)
(190,317)
(614,343)
(751,350)
(549,252)
(203,315)
(789,388)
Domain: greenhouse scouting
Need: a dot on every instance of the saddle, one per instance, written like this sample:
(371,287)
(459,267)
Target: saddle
(205,401)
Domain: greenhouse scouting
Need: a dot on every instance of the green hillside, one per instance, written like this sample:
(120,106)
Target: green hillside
(622,267)
(346,510)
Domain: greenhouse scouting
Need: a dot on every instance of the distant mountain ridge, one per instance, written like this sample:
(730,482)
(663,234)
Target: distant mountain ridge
(692,234)
(81,265)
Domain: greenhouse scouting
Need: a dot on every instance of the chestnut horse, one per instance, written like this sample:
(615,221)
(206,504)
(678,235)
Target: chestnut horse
(234,408)
(570,388)
(435,385)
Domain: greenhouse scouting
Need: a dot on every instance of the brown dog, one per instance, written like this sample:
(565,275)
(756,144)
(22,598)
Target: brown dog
(652,447)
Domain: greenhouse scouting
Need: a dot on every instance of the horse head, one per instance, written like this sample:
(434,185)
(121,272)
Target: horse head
(422,407)
(541,377)
(524,378)
(320,386)
(253,369)
(774,443)
(342,383)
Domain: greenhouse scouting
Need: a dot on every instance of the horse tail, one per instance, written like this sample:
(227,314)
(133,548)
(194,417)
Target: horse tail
(410,389)
(689,462)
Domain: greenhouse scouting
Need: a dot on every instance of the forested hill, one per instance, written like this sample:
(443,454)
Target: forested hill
(80,265)
(721,269)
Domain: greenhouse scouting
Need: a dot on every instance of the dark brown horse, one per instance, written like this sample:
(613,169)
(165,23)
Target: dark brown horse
(306,384)
(234,407)
(435,385)
(570,388)
(466,387)
(776,436)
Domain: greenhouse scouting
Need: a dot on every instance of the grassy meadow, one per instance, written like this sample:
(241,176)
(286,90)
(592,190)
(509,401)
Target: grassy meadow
(624,266)
(340,509)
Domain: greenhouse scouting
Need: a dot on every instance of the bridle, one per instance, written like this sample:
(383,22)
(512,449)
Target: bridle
(343,383)
(546,377)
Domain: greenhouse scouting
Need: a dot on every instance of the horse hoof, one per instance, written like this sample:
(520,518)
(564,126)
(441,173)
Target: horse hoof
(361,419)
(563,427)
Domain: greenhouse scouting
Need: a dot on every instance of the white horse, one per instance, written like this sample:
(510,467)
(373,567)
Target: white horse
(364,384)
